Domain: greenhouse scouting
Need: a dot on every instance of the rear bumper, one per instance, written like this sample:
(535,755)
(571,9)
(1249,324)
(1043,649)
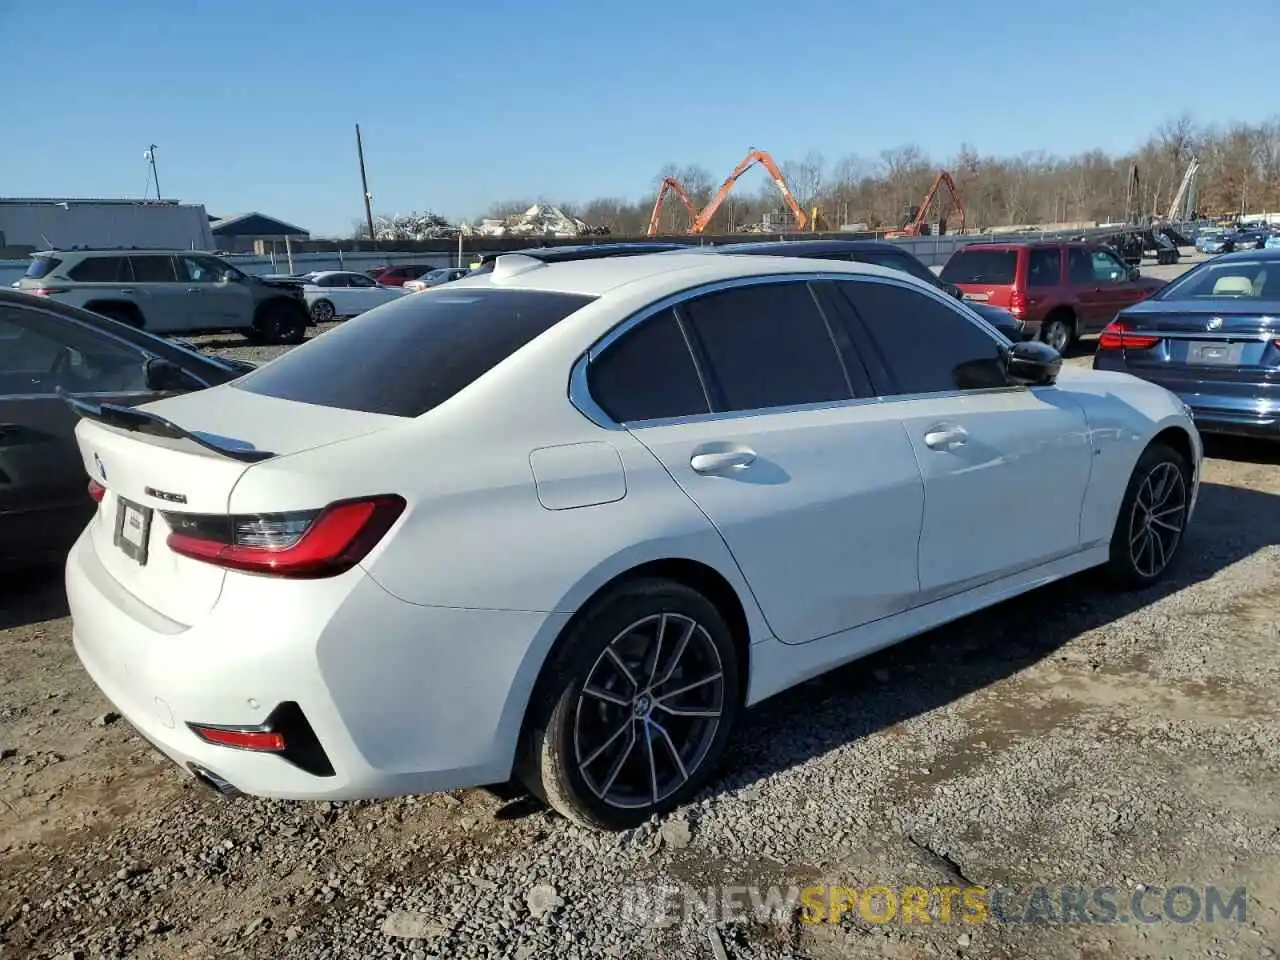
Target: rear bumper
(402,698)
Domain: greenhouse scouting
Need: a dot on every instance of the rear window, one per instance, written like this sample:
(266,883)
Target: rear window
(42,267)
(1238,280)
(412,354)
(981,266)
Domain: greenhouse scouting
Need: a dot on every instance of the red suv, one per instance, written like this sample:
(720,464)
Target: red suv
(1060,291)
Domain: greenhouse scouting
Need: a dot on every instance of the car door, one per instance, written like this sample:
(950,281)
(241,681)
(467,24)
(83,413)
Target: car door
(1005,467)
(165,305)
(1090,300)
(339,292)
(221,303)
(1114,289)
(44,503)
(368,294)
(814,489)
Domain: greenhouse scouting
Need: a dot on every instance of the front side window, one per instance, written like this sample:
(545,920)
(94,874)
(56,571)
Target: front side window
(356,280)
(413,353)
(197,269)
(40,354)
(648,374)
(927,346)
(766,345)
(1107,268)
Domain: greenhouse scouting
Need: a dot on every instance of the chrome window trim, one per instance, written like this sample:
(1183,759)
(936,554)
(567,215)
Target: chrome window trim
(103,333)
(580,392)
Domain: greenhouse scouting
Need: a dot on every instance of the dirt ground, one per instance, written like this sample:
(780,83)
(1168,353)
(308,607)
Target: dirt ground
(1072,736)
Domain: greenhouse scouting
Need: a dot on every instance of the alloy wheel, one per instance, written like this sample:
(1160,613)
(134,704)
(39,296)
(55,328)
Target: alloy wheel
(649,710)
(1057,335)
(323,311)
(1158,519)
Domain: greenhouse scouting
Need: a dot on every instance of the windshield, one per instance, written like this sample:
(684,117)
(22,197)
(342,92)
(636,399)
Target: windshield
(981,266)
(1216,280)
(414,353)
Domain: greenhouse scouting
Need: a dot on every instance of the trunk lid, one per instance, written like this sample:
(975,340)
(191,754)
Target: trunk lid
(185,455)
(1223,341)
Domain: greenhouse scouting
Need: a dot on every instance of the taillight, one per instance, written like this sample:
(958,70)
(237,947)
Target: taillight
(302,544)
(47,291)
(1017,302)
(96,490)
(1116,336)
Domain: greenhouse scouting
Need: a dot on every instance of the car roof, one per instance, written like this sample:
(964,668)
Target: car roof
(117,252)
(585,251)
(663,273)
(798,248)
(1267,253)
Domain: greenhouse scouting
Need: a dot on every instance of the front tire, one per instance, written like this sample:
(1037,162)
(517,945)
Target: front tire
(633,711)
(322,311)
(281,324)
(1152,520)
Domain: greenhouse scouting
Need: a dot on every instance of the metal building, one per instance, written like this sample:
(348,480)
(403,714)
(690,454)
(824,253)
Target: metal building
(39,223)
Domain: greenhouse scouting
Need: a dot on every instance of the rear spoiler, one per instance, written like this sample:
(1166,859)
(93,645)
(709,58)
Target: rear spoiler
(139,421)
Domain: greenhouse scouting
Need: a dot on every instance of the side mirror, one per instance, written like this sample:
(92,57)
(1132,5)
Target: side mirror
(165,376)
(1134,273)
(1032,363)
(230,276)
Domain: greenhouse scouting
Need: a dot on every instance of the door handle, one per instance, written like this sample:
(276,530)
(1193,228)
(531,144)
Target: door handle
(945,436)
(722,461)
(129,291)
(194,290)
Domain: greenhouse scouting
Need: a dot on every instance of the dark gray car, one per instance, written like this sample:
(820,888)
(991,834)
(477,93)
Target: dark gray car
(48,349)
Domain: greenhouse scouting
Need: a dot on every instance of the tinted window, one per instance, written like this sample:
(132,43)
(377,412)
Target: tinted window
(969,265)
(153,269)
(197,269)
(927,346)
(648,374)
(42,267)
(1107,268)
(99,270)
(1044,267)
(42,353)
(1079,266)
(357,280)
(413,353)
(767,345)
(899,261)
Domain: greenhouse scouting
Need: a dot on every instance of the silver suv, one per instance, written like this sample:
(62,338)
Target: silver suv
(171,291)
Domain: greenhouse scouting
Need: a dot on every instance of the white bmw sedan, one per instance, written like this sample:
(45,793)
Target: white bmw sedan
(563,522)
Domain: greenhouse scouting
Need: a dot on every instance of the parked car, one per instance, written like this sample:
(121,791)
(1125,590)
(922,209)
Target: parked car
(884,254)
(583,251)
(1272,242)
(435,278)
(750,473)
(170,291)
(1213,337)
(1068,289)
(47,346)
(1212,241)
(397,275)
(331,294)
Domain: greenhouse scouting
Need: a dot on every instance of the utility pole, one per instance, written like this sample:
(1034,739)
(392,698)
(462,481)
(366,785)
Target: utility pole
(151,158)
(364,182)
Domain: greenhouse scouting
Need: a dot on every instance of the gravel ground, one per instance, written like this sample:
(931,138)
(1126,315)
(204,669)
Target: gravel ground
(1070,737)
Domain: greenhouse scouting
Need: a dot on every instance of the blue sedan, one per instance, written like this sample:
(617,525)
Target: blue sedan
(1213,337)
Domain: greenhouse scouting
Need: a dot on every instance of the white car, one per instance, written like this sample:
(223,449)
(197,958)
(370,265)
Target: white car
(563,522)
(343,293)
(435,278)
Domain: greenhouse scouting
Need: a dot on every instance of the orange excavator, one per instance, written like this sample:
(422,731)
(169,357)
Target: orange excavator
(766,161)
(919,218)
(676,187)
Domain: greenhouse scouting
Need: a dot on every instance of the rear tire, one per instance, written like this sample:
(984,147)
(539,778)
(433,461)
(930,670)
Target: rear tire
(634,708)
(1152,519)
(281,324)
(1059,332)
(322,311)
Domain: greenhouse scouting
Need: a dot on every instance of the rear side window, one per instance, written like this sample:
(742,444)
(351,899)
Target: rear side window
(100,270)
(648,374)
(41,267)
(414,353)
(981,266)
(767,345)
(153,269)
(927,346)
(1044,267)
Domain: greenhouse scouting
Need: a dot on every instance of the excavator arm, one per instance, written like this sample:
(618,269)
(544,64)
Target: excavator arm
(676,187)
(766,161)
(913,228)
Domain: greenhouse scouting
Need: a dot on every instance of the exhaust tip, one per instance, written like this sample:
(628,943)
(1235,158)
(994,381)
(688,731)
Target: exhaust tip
(207,778)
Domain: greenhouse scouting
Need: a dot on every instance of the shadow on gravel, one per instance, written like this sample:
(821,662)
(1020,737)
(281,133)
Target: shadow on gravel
(936,668)
(31,596)
(1241,449)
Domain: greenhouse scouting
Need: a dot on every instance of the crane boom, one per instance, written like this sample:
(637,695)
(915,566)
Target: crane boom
(1184,199)
(766,161)
(676,187)
(914,228)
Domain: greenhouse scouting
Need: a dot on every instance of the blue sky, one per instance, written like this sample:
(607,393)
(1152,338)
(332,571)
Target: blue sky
(252,103)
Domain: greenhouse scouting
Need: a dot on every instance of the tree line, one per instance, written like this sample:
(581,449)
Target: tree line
(1239,174)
